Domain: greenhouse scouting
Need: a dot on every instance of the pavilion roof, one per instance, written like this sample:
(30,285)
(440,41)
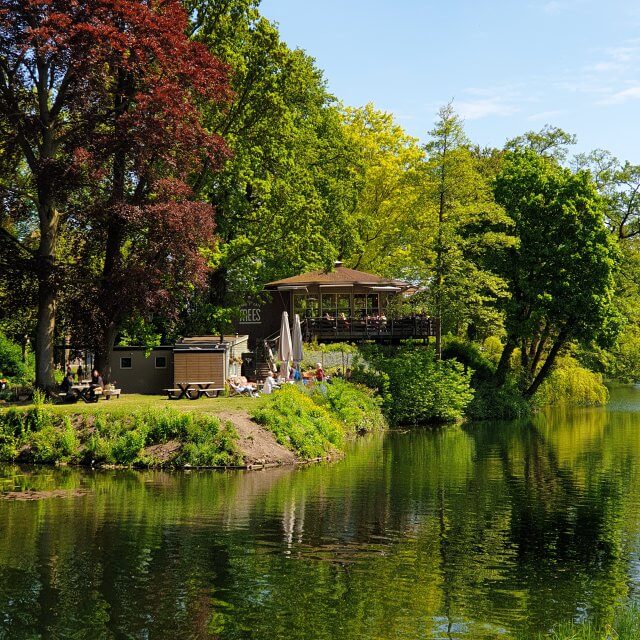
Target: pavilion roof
(339,275)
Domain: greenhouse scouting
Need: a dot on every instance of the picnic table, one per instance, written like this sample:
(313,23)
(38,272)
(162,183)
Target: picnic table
(194,390)
(83,392)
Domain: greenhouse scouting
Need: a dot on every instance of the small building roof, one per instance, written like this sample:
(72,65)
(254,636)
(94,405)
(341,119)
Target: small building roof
(339,276)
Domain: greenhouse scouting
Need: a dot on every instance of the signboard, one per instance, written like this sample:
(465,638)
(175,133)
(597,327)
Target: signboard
(250,315)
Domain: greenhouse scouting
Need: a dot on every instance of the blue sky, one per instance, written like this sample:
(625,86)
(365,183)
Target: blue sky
(509,65)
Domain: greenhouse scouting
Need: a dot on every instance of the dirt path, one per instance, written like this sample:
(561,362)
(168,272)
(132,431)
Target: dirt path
(258,445)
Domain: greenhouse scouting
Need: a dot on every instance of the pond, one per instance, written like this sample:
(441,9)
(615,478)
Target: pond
(493,530)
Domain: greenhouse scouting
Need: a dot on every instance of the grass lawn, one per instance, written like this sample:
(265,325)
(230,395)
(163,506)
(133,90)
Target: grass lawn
(131,402)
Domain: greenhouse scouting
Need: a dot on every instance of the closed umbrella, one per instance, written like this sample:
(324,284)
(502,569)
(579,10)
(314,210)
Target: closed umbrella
(296,351)
(284,347)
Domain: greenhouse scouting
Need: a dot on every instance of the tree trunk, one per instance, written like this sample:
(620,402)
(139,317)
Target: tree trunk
(218,287)
(505,359)
(45,266)
(545,370)
(104,351)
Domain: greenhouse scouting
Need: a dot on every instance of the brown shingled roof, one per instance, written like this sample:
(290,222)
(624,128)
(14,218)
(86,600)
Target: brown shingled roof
(339,275)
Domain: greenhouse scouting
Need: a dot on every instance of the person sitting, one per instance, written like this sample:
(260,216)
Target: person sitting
(241,386)
(320,374)
(328,316)
(66,388)
(269,384)
(96,383)
(3,382)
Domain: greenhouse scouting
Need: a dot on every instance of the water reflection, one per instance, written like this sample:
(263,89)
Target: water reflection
(485,531)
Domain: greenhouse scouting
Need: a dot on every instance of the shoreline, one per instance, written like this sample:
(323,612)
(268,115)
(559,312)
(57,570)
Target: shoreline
(288,428)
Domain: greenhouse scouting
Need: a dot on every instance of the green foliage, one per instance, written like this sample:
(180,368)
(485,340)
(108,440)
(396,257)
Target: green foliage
(355,406)
(560,291)
(377,381)
(11,364)
(503,402)
(489,401)
(624,364)
(300,424)
(39,435)
(625,626)
(570,382)
(423,390)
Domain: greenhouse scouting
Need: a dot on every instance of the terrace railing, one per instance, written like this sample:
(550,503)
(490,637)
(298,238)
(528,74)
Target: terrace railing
(354,329)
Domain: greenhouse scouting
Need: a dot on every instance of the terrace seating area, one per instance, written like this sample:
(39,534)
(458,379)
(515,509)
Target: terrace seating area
(339,329)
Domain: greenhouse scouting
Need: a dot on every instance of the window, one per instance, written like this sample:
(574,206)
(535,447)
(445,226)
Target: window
(365,304)
(125,363)
(299,304)
(329,304)
(344,304)
(161,362)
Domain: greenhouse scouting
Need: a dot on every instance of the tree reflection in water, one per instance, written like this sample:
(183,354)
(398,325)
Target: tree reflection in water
(484,531)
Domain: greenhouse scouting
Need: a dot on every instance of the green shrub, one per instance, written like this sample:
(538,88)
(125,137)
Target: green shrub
(208,442)
(469,354)
(489,402)
(355,406)
(299,423)
(422,389)
(9,447)
(570,382)
(127,447)
(497,403)
(377,381)
(11,364)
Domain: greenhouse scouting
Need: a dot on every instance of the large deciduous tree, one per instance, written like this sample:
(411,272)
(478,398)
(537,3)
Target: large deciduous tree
(560,272)
(281,199)
(100,96)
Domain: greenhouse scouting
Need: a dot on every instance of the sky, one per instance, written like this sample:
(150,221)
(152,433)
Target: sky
(509,66)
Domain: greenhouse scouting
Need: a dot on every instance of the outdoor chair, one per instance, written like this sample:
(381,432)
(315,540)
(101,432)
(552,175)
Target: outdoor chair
(239,386)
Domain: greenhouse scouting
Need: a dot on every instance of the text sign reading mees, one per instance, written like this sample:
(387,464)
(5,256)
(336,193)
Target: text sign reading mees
(250,315)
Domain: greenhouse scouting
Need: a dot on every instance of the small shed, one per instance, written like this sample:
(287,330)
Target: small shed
(193,359)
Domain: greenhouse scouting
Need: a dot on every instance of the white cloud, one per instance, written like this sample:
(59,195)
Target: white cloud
(632,93)
(546,116)
(484,108)
(552,7)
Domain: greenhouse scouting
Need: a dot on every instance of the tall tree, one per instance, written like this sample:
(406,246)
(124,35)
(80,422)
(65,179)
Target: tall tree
(90,88)
(385,221)
(560,272)
(281,198)
(466,223)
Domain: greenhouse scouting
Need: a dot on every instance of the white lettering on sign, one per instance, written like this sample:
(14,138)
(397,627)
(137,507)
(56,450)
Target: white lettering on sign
(249,315)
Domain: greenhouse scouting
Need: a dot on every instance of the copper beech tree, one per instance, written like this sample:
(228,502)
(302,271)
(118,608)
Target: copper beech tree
(100,99)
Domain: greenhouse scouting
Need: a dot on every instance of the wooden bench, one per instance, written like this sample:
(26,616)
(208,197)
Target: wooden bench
(211,393)
(111,393)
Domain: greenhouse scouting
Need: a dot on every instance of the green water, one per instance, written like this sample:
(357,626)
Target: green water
(485,531)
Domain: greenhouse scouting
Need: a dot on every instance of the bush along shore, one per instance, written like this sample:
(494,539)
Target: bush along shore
(309,423)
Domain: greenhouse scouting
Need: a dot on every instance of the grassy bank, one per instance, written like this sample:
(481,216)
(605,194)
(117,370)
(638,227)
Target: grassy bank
(145,431)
